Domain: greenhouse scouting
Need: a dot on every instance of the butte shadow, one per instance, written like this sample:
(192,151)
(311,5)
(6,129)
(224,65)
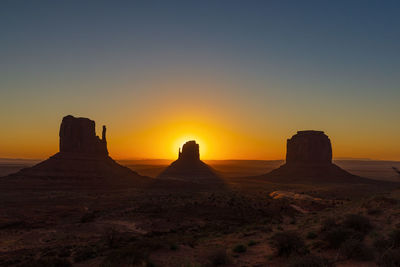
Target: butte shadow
(83,156)
(309,160)
(188,168)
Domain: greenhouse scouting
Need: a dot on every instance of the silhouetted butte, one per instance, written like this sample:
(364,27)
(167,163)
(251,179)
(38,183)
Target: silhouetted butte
(309,159)
(82,155)
(189,167)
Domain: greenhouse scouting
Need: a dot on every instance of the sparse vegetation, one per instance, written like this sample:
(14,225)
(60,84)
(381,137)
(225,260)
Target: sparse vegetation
(252,243)
(381,244)
(111,237)
(374,211)
(85,253)
(337,235)
(311,235)
(174,247)
(394,238)
(390,258)
(288,243)
(128,256)
(354,226)
(49,262)
(356,250)
(219,257)
(240,248)
(186,229)
(328,224)
(88,217)
(358,223)
(309,261)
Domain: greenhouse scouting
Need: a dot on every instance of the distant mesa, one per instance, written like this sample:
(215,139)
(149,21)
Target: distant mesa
(189,167)
(82,155)
(309,147)
(309,159)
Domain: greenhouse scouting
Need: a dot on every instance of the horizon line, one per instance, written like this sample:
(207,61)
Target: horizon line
(228,159)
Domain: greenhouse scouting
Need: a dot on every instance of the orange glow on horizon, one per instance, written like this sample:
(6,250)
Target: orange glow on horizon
(225,125)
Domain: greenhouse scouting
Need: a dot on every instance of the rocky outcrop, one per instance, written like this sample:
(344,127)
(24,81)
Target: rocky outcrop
(189,167)
(301,202)
(309,147)
(190,151)
(78,135)
(82,155)
(309,159)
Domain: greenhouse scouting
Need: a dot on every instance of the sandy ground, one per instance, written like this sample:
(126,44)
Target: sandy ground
(88,223)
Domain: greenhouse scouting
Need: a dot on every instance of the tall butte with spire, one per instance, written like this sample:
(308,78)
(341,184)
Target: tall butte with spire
(82,155)
(189,167)
(309,159)
(78,137)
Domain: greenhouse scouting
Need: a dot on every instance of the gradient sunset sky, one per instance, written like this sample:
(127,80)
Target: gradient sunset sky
(240,77)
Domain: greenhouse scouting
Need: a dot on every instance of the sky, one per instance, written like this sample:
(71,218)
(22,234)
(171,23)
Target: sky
(240,77)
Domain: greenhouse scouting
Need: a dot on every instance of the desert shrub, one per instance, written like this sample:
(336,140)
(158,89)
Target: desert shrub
(380,244)
(318,244)
(174,247)
(394,238)
(356,250)
(385,200)
(328,224)
(240,248)
(309,261)
(219,257)
(134,254)
(50,262)
(252,243)
(126,256)
(110,237)
(374,211)
(358,223)
(192,264)
(390,258)
(85,253)
(354,226)
(288,243)
(311,235)
(64,252)
(88,217)
(337,235)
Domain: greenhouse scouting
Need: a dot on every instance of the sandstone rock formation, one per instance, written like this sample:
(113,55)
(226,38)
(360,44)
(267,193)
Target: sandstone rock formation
(82,155)
(301,202)
(309,147)
(190,151)
(309,159)
(189,167)
(78,135)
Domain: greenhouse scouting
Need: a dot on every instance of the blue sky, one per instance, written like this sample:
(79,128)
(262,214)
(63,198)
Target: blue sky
(269,68)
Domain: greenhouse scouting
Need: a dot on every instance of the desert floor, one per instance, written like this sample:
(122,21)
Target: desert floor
(45,222)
